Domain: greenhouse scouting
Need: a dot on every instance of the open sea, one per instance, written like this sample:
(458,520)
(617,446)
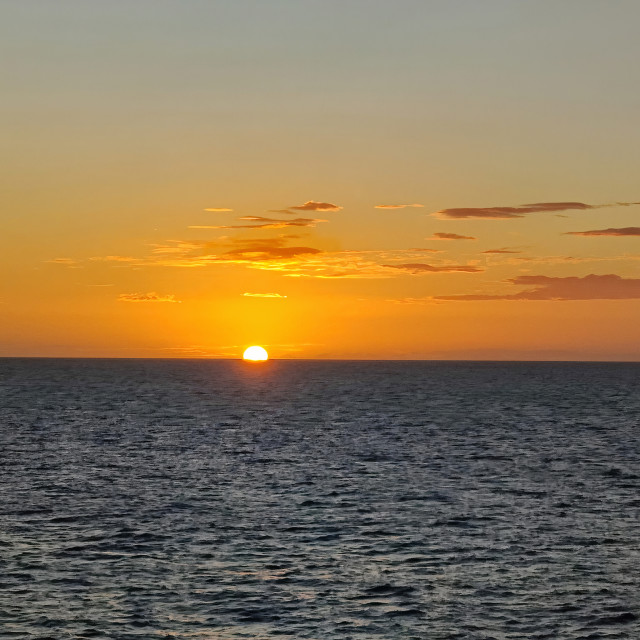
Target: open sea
(214,500)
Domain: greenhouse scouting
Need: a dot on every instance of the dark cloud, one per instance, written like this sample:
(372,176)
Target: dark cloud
(311,205)
(591,287)
(503,250)
(420,267)
(623,231)
(498,213)
(451,236)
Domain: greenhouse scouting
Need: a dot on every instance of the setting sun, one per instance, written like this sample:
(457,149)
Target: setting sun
(255,354)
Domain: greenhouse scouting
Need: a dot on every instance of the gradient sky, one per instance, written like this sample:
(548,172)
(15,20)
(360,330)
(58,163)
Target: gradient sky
(511,128)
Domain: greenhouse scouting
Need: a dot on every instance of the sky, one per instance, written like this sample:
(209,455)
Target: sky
(416,179)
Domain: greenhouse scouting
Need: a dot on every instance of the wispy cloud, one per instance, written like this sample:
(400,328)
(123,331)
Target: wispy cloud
(152,296)
(502,250)
(420,267)
(623,231)
(591,287)
(423,300)
(218,209)
(264,223)
(332,265)
(113,259)
(499,213)
(451,236)
(277,223)
(224,250)
(397,206)
(555,259)
(312,205)
(344,264)
(263,295)
(298,261)
(66,262)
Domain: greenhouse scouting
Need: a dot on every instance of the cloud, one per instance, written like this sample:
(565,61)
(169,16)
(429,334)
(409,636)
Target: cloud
(355,265)
(503,250)
(498,213)
(179,247)
(264,223)
(520,260)
(420,267)
(299,261)
(263,219)
(591,287)
(397,206)
(424,300)
(260,252)
(113,259)
(263,295)
(146,297)
(426,250)
(277,223)
(348,264)
(311,205)
(623,231)
(450,236)
(225,250)
(67,262)
(218,209)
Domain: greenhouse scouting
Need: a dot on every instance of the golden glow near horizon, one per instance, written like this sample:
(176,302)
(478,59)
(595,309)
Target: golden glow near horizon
(255,354)
(413,186)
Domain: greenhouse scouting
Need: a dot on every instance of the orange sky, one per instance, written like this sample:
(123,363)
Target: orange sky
(328,180)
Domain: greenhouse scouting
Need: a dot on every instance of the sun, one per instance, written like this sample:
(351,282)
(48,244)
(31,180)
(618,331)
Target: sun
(255,354)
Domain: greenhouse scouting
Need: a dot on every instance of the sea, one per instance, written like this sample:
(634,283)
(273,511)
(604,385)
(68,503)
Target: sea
(329,500)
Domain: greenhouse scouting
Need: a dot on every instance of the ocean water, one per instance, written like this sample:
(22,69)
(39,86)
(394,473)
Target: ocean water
(214,500)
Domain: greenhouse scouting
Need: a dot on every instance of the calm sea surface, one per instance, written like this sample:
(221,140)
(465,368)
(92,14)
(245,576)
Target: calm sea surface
(328,500)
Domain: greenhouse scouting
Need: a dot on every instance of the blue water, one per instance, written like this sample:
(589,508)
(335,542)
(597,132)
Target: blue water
(214,500)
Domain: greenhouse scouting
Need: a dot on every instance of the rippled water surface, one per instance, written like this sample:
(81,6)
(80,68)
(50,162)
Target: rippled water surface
(327,500)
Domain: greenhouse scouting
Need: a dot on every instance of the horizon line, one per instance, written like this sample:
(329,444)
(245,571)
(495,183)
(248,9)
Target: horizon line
(240,359)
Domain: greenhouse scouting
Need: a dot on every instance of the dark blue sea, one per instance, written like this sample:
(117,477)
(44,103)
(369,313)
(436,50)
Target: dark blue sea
(213,500)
